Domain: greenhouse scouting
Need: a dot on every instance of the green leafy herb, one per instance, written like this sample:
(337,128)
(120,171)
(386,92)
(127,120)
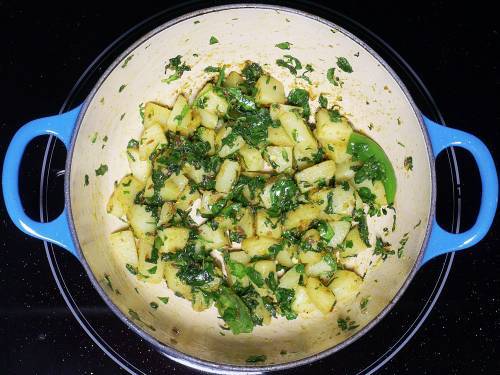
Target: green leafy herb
(108,281)
(101,171)
(285,299)
(402,244)
(323,101)
(329,204)
(308,68)
(284,45)
(164,299)
(133,143)
(364,303)
(330,75)
(177,66)
(213,40)
(343,64)
(360,217)
(300,97)
(141,111)
(122,87)
(153,305)
(371,169)
(252,72)
(325,231)
(122,116)
(408,163)
(335,115)
(300,268)
(382,249)
(346,324)
(256,358)
(127,60)
(93,139)
(86,182)
(284,196)
(291,63)
(132,269)
(234,311)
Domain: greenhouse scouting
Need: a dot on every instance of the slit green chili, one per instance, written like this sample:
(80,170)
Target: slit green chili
(363,148)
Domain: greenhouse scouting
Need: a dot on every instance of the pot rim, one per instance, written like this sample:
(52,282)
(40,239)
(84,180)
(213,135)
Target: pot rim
(171,352)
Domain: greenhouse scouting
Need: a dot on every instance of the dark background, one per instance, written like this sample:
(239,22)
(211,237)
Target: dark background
(454,48)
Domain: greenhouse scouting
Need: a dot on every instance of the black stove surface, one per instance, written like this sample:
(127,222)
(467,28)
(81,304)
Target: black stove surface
(47,48)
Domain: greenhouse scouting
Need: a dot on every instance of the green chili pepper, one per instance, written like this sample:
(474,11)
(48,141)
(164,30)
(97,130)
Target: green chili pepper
(363,148)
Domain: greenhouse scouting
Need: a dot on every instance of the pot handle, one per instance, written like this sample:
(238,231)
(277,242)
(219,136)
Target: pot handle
(442,241)
(56,231)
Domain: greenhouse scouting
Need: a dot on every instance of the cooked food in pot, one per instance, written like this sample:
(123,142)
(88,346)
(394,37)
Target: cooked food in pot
(239,201)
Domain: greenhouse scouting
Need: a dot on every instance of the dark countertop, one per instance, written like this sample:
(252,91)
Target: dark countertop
(452,47)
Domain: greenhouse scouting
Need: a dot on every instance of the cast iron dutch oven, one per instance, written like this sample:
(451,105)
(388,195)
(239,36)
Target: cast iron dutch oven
(374,99)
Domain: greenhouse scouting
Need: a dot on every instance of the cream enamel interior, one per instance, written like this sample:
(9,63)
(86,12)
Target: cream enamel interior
(370,97)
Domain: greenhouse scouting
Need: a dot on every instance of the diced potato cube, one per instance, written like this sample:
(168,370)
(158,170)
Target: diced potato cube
(141,221)
(208,199)
(180,116)
(302,304)
(265,195)
(174,239)
(194,174)
(344,171)
(151,138)
(290,280)
(124,195)
(141,169)
(276,110)
(155,114)
(227,176)
(320,295)
(353,244)
(280,158)
(285,256)
(269,91)
(297,129)
(333,135)
(208,119)
(123,248)
(208,135)
(265,267)
(173,187)
(186,198)
(174,283)
(210,101)
(200,302)
(258,246)
(340,230)
(233,79)
(279,137)
(246,222)
(304,155)
(239,256)
(167,212)
(345,285)
(267,226)
(315,176)
(149,271)
(301,217)
(310,257)
(320,269)
(335,203)
(225,142)
(187,128)
(252,159)
(212,239)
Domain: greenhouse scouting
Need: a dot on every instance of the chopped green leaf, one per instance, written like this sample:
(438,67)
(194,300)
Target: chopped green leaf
(330,75)
(256,358)
(164,299)
(127,60)
(284,45)
(408,163)
(213,40)
(122,87)
(101,171)
(343,64)
(86,182)
(153,305)
(323,101)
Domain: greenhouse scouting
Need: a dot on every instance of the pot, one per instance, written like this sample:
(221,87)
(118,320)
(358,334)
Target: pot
(372,97)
